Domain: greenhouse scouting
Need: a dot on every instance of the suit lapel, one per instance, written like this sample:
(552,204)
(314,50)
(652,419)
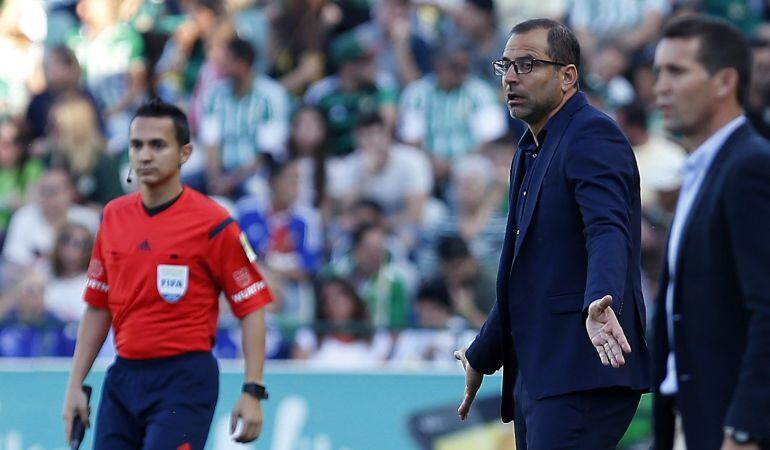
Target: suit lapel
(557,126)
(708,182)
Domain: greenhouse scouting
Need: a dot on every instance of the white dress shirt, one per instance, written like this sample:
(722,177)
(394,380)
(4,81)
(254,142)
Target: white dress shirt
(694,171)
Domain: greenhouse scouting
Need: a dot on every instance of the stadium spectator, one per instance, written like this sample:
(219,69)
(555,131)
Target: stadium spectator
(184,53)
(440,330)
(32,230)
(111,55)
(450,113)
(62,77)
(383,282)
(471,288)
(76,144)
(402,52)
(396,176)
(27,328)
(659,160)
(309,143)
(286,236)
(22,27)
(18,170)
(244,119)
(477,23)
(355,91)
(343,335)
(297,41)
(478,207)
(66,277)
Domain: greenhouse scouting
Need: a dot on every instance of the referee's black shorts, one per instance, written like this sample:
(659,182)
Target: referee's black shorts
(158,404)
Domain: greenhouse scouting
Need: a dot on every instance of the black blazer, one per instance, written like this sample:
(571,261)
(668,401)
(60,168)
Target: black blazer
(721,313)
(578,239)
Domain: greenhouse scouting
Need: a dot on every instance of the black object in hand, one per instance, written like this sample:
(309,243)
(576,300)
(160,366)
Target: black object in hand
(78,428)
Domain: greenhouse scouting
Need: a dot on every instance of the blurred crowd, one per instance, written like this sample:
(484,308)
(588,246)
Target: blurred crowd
(362,145)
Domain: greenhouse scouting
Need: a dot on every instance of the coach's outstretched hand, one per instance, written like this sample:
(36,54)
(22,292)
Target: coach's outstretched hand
(75,404)
(473,381)
(605,332)
(248,411)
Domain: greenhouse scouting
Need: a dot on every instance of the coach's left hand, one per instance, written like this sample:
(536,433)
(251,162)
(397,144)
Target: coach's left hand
(249,411)
(605,332)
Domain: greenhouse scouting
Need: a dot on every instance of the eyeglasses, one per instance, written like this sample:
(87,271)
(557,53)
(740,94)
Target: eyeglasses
(520,65)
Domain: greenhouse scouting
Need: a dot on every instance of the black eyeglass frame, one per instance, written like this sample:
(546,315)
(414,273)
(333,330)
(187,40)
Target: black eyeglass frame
(502,66)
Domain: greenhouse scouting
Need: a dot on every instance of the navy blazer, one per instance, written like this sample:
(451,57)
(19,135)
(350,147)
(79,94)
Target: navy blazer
(578,240)
(721,314)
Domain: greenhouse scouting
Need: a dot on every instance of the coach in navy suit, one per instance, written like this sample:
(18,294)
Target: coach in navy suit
(568,324)
(712,317)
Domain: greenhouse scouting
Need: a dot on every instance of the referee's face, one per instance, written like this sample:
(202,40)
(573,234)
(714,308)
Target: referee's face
(155,154)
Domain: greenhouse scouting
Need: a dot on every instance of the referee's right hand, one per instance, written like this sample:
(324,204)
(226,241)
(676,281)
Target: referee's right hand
(75,403)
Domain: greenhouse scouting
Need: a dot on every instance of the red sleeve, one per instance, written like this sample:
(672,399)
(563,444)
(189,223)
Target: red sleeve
(97,285)
(232,261)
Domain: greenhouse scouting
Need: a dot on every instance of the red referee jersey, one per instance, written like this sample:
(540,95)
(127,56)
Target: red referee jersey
(160,276)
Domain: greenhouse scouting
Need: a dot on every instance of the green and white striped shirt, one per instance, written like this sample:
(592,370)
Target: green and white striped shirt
(245,127)
(450,123)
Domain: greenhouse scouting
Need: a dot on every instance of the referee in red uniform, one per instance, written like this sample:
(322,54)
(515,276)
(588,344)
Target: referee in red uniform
(162,257)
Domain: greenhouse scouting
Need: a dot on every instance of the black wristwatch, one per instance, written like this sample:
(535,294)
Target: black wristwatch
(740,436)
(256,390)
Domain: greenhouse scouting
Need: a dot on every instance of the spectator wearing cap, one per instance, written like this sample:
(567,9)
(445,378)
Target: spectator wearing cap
(244,118)
(471,288)
(355,91)
(451,112)
(395,175)
(440,329)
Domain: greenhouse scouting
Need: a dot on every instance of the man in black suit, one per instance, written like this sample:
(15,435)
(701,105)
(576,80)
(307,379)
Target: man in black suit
(568,324)
(712,319)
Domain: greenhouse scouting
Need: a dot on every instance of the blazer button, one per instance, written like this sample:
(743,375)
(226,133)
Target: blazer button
(524,194)
(517,232)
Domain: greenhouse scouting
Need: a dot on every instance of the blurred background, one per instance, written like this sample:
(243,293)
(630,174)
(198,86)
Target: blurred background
(364,148)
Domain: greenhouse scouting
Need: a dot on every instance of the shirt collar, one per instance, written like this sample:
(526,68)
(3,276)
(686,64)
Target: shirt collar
(701,158)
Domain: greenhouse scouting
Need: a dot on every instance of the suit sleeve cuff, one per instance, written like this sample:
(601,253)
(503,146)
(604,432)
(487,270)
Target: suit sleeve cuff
(481,359)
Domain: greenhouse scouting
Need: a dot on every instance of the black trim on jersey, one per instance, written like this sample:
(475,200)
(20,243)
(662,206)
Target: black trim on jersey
(220,227)
(162,207)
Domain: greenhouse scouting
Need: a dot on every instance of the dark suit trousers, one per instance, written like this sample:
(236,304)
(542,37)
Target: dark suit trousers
(590,420)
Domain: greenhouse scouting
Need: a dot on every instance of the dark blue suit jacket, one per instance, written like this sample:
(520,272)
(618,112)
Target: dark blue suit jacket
(578,240)
(721,315)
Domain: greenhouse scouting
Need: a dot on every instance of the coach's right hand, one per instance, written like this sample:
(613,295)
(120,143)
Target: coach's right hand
(75,403)
(473,380)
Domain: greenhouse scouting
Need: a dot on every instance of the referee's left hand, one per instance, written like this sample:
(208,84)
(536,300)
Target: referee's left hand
(249,411)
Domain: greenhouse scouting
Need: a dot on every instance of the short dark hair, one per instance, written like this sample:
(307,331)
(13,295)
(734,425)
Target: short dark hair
(452,247)
(370,119)
(721,46)
(563,46)
(435,291)
(158,108)
(242,50)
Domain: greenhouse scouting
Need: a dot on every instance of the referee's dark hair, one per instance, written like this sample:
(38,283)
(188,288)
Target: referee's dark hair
(158,108)
(721,46)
